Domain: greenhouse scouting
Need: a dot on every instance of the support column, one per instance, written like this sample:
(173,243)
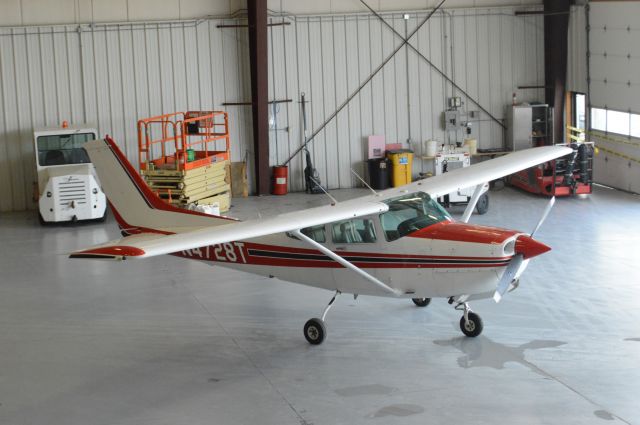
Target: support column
(258,51)
(556,33)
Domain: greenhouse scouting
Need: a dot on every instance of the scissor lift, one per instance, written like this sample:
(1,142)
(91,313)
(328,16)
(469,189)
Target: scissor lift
(184,157)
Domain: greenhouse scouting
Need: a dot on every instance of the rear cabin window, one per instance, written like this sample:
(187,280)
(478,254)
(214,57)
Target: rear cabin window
(410,213)
(354,231)
(317,233)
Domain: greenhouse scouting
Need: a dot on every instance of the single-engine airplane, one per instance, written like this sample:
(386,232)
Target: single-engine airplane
(396,243)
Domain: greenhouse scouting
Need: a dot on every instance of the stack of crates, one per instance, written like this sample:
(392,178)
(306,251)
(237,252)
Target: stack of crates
(185,158)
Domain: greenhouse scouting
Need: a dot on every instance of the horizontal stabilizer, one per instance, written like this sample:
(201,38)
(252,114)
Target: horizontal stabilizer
(118,249)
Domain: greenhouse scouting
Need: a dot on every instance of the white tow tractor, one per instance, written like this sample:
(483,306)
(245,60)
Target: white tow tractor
(449,160)
(68,187)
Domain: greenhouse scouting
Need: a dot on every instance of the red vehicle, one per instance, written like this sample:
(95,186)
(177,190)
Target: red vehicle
(566,176)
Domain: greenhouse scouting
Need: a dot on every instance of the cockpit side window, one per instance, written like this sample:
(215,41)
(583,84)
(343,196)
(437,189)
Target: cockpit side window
(410,213)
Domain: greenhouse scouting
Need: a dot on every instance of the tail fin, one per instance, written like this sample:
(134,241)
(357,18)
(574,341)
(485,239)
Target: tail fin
(134,205)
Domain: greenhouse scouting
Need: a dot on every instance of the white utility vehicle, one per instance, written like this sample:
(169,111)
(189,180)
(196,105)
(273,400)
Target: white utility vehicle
(68,187)
(450,160)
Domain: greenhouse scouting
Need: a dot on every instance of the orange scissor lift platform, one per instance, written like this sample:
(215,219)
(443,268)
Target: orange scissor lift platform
(185,159)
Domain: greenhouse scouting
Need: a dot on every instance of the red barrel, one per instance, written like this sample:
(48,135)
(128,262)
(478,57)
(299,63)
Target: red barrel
(280,175)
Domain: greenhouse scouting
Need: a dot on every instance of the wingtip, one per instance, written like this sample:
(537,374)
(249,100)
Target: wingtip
(110,252)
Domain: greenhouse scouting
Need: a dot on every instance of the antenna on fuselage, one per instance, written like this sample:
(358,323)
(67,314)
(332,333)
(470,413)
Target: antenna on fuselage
(333,200)
(363,182)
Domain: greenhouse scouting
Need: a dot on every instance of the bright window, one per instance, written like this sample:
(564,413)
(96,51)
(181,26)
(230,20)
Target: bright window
(635,125)
(599,119)
(615,122)
(618,122)
(580,111)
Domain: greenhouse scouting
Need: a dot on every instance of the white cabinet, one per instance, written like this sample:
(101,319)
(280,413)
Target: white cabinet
(528,126)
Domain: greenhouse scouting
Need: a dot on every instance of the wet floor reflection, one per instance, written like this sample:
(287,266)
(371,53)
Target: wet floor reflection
(483,352)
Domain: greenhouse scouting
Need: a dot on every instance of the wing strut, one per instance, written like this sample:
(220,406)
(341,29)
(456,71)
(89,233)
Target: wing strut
(472,203)
(346,263)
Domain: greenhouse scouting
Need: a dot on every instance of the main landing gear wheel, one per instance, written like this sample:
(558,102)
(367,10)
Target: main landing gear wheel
(483,204)
(421,302)
(471,326)
(315,331)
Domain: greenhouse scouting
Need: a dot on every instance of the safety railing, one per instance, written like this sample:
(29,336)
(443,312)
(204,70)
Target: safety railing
(183,140)
(576,134)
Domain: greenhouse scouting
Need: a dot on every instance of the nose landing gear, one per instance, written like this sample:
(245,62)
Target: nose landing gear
(470,322)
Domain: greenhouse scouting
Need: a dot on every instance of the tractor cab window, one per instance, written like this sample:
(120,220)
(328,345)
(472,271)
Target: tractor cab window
(63,149)
(410,213)
(354,231)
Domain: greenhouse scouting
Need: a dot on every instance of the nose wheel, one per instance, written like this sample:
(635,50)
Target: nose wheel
(470,322)
(472,325)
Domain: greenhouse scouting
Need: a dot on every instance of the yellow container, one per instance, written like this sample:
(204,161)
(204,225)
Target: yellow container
(401,163)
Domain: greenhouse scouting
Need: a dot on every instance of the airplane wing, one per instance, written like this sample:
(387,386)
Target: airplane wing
(487,171)
(149,246)
(157,244)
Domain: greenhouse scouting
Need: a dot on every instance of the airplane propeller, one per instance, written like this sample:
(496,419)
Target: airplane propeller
(546,212)
(518,263)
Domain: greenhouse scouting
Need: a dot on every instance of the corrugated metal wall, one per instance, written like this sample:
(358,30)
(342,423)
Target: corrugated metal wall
(113,75)
(488,52)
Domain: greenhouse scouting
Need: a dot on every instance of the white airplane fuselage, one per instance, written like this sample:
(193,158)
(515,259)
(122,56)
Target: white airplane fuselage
(442,260)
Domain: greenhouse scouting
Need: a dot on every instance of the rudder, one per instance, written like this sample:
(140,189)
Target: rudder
(134,204)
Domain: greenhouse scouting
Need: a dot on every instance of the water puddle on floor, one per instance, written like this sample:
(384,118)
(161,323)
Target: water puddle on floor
(603,414)
(483,352)
(400,410)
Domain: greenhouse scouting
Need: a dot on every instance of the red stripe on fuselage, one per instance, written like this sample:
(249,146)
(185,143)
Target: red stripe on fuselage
(276,256)
(281,248)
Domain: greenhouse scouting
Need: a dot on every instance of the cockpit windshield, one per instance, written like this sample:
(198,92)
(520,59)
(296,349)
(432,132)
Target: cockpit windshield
(410,213)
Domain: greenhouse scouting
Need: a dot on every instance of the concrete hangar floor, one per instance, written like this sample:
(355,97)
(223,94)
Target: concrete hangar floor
(169,341)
